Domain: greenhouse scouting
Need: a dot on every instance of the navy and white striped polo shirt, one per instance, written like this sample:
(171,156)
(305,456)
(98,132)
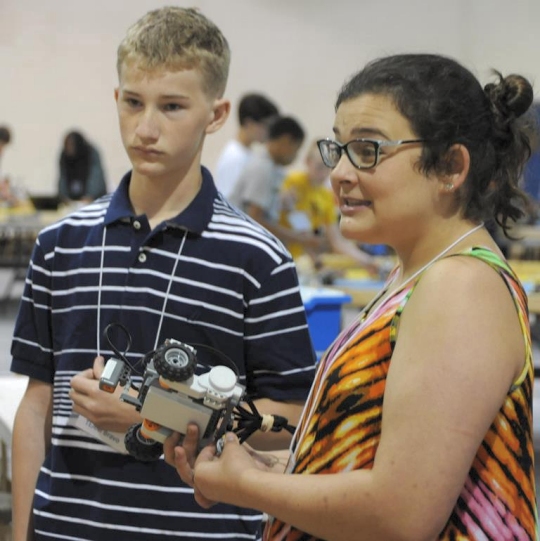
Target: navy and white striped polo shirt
(209,276)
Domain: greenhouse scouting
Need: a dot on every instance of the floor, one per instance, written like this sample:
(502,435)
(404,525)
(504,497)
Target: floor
(8,312)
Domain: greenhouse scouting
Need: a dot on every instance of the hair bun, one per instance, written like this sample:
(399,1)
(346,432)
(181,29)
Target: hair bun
(511,96)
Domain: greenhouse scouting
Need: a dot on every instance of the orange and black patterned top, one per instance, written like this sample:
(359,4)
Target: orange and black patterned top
(498,501)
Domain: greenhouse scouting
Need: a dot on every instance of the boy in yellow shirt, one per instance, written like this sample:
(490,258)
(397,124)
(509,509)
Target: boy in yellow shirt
(308,206)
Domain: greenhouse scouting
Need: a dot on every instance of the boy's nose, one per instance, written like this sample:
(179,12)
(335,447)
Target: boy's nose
(147,128)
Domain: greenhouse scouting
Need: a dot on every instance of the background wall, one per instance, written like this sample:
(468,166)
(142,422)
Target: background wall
(58,61)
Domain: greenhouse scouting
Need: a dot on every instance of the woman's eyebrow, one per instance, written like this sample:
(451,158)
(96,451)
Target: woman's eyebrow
(365,132)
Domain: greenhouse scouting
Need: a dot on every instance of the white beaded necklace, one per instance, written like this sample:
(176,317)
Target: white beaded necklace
(383,299)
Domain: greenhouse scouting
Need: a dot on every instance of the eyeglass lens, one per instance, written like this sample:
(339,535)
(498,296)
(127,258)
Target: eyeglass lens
(361,153)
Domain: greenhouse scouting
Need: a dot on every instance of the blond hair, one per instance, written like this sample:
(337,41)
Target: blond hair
(177,38)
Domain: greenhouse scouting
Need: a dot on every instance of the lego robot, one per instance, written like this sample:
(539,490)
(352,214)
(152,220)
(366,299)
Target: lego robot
(171,396)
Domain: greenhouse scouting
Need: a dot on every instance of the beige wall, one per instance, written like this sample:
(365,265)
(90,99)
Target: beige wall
(58,60)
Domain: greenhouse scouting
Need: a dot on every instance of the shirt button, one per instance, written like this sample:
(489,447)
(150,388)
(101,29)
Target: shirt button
(137,224)
(142,257)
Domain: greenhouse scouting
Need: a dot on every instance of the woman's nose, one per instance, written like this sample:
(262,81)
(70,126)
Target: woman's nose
(343,172)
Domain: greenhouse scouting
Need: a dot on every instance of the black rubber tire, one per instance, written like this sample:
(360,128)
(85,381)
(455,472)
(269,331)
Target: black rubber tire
(142,448)
(175,362)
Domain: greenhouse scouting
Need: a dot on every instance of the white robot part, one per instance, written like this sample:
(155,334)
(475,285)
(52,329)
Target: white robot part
(215,387)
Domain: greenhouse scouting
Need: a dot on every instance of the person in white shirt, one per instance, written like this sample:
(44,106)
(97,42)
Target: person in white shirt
(254,113)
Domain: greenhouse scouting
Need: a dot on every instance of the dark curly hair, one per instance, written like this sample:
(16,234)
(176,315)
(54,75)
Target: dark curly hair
(446,105)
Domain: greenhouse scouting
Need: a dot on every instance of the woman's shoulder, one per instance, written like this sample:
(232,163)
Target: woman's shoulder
(476,275)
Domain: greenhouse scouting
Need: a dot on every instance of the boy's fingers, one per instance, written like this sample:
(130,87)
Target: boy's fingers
(99,365)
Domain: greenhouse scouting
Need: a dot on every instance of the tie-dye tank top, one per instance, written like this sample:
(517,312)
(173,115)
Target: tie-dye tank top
(498,501)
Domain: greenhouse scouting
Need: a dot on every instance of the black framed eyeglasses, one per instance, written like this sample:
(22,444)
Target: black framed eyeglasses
(362,153)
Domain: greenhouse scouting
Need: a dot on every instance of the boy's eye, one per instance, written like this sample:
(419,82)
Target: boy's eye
(132,102)
(172,107)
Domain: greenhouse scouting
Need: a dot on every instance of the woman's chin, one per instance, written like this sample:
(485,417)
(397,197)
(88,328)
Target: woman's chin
(354,231)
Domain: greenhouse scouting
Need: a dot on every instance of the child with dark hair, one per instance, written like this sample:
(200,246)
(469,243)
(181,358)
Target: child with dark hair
(5,136)
(255,112)
(81,172)
(7,195)
(257,190)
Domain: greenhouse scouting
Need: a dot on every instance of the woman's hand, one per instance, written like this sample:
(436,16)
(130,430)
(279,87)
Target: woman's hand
(218,478)
(181,454)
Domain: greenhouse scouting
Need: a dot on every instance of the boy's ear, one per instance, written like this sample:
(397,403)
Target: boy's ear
(220,112)
(458,163)
(116,93)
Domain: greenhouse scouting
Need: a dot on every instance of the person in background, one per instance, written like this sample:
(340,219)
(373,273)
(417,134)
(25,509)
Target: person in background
(7,195)
(531,172)
(257,191)
(81,176)
(308,205)
(419,423)
(254,113)
(166,257)
(5,138)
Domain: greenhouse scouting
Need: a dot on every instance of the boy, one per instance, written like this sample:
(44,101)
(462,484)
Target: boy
(257,191)
(254,113)
(166,257)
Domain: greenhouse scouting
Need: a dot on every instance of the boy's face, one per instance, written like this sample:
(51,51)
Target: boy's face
(257,131)
(164,117)
(286,149)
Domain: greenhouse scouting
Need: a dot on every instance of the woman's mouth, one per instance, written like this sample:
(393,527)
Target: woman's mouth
(348,203)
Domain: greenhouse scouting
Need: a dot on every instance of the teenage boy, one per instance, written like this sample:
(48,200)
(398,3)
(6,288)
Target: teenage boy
(167,257)
(257,191)
(254,113)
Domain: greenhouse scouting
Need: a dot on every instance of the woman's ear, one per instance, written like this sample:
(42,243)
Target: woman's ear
(220,113)
(457,165)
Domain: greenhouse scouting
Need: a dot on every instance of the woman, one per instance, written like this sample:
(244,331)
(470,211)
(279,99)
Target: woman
(81,173)
(420,413)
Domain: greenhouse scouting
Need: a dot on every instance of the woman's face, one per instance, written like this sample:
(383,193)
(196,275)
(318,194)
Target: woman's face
(386,203)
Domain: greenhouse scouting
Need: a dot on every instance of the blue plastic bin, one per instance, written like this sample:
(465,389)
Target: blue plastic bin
(323,309)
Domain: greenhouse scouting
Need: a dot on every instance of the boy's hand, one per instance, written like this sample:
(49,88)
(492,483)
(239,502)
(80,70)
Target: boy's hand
(103,409)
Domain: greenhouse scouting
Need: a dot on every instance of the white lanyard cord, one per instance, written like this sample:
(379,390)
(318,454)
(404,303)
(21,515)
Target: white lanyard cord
(100,285)
(98,328)
(173,273)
